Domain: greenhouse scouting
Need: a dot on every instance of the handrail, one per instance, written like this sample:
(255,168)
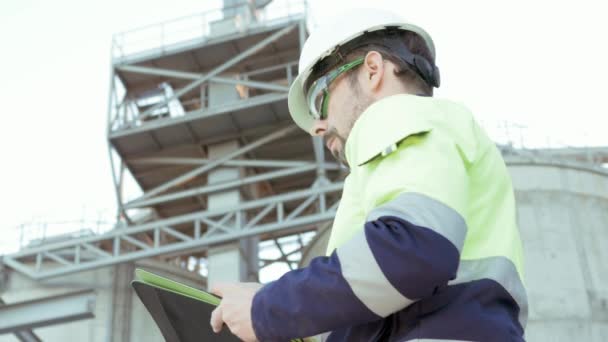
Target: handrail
(162,36)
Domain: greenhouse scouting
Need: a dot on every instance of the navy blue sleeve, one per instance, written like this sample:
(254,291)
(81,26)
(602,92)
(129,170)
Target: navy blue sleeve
(382,269)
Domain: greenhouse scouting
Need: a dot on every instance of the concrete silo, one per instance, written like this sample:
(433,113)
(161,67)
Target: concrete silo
(117,313)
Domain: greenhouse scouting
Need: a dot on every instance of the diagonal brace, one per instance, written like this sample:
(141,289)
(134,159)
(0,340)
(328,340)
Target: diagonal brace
(221,68)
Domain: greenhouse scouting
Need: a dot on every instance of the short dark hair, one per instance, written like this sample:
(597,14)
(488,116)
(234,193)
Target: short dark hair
(376,41)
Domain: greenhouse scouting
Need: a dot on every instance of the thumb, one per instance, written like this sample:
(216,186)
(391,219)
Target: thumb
(218,289)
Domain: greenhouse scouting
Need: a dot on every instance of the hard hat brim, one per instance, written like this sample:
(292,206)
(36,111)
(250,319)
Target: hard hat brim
(298,109)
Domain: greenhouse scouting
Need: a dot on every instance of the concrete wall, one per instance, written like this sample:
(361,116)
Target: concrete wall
(563,219)
(22,288)
(119,314)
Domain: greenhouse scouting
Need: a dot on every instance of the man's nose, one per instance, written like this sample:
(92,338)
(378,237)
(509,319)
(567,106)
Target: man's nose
(319,128)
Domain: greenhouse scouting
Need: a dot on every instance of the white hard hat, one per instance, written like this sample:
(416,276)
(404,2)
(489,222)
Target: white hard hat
(323,41)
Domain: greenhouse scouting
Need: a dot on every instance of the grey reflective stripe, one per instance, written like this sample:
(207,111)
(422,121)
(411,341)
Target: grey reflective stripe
(366,279)
(501,270)
(424,211)
(436,340)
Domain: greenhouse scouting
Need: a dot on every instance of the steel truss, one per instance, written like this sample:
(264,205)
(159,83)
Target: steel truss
(257,217)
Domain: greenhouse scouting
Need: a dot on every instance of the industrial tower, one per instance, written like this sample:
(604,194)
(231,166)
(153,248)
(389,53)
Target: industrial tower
(197,116)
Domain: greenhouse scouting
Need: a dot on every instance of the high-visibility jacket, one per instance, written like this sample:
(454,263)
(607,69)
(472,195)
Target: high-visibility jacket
(424,245)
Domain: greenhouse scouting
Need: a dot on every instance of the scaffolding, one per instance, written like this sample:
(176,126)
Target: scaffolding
(179,92)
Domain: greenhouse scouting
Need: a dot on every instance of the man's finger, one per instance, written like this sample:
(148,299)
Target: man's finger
(217,320)
(219,288)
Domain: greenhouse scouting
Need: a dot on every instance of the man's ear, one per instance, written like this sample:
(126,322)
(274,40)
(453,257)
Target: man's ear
(374,68)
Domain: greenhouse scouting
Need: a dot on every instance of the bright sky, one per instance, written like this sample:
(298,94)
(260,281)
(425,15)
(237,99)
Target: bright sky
(538,64)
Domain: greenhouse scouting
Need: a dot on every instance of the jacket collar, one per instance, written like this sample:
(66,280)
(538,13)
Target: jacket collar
(385,123)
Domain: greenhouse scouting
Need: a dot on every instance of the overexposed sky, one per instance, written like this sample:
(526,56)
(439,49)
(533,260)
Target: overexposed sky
(541,65)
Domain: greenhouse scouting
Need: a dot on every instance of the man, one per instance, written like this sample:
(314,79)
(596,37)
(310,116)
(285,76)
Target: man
(424,245)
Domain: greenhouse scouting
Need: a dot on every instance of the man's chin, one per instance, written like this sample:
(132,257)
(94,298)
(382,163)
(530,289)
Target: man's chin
(340,157)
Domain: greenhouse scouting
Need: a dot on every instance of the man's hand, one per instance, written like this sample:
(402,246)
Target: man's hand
(235,309)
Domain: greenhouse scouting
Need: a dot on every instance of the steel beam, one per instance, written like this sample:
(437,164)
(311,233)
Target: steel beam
(259,163)
(200,114)
(260,71)
(217,162)
(211,188)
(283,258)
(195,76)
(117,182)
(24,335)
(27,336)
(47,311)
(245,133)
(221,68)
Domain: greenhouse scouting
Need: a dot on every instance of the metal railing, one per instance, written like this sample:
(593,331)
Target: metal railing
(286,213)
(165,36)
(39,233)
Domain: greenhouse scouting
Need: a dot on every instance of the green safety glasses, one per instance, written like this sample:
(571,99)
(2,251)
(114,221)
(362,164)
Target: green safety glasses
(318,95)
